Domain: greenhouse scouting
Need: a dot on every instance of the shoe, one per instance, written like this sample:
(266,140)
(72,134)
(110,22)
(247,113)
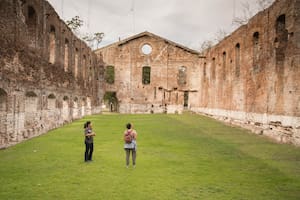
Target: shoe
(133,166)
(127,166)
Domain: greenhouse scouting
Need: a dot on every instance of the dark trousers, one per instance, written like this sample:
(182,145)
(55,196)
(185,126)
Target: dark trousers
(89,148)
(133,152)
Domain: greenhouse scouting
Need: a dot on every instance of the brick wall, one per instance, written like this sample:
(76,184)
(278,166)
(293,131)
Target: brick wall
(38,84)
(162,93)
(252,76)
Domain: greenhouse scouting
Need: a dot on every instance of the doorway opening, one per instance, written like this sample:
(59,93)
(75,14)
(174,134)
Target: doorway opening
(111,101)
(186,99)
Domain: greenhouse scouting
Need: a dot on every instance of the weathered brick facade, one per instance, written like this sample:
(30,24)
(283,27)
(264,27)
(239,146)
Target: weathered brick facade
(174,72)
(253,76)
(47,75)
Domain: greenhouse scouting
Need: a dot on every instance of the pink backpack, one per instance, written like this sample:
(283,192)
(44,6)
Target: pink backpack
(128,137)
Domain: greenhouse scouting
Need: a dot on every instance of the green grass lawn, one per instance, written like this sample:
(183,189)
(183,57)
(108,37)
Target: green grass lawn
(179,157)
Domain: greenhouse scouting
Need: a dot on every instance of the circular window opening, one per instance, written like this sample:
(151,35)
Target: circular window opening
(146,49)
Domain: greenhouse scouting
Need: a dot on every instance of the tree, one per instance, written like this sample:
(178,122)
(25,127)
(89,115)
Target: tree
(247,11)
(91,39)
(205,45)
(247,14)
(218,37)
(75,23)
(98,38)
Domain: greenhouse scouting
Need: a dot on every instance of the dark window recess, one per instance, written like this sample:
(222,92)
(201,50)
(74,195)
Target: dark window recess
(237,60)
(256,51)
(110,74)
(146,75)
(281,41)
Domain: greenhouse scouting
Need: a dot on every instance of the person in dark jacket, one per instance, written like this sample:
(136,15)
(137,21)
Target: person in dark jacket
(89,141)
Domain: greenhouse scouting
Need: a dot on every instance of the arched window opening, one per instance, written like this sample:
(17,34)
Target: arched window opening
(204,70)
(65,108)
(84,67)
(75,108)
(280,24)
(91,71)
(213,69)
(76,63)
(51,96)
(256,51)
(224,66)
(3,100)
(51,105)
(52,45)
(66,98)
(31,22)
(255,38)
(30,94)
(31,107)
(237,60)
(66,55)
(146,75)
(182,71)
(281,40)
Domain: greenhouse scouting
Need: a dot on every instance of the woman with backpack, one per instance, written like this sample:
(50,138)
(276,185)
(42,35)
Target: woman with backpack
(130,145)
(89,141)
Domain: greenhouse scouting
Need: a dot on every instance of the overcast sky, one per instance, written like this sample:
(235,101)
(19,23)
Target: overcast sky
(187,22)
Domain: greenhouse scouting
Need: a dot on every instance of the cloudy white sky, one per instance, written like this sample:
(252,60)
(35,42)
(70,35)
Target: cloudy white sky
(187,22)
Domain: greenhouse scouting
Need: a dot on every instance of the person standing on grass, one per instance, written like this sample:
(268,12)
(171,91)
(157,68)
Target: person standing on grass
(89,141)
(130,136)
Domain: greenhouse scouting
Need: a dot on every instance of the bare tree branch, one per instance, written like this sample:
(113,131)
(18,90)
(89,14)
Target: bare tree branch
(247,14)
(263,4)
(205,45)
(220,35)
(248,11)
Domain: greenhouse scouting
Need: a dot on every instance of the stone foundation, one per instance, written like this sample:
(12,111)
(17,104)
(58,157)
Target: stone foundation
(283,129)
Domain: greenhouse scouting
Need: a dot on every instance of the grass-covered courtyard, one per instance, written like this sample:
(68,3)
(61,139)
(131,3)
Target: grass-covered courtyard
(179,157)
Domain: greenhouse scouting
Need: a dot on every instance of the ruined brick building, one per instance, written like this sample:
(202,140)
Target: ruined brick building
(252,77)
(49,77)
(149,74)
